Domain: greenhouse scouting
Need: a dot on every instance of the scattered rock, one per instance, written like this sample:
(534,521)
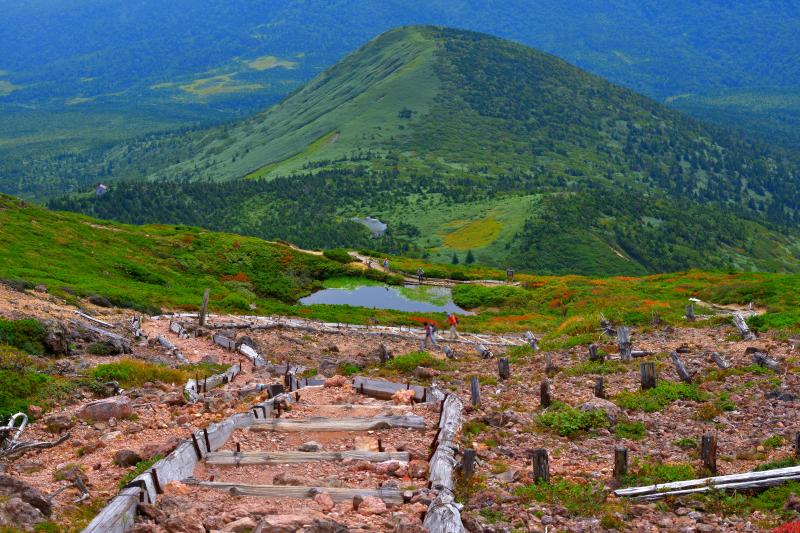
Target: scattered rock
(404,397)
(56,337)
(372,506)
(417,468)
(126,458)
(325,501)
(610,409)
(282,478)
(325,526)
(365,444)
(163,449)
(12,487)
(328,367)
(243,525)
(101,410)
(310,446)
(424,373)
(337,381)
(20,515)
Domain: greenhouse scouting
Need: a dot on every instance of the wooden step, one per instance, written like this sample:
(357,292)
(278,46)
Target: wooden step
(338,424)
(275,458)
(337,494)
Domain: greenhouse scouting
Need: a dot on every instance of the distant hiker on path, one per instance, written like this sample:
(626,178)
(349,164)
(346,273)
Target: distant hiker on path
(420,275)
(430,334)
(386,264)
(510,275)
(452,319)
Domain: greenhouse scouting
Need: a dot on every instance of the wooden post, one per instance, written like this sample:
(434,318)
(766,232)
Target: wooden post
(690,312)
(797,444)
(532,340)
(625,345)
(764,360)
(549,367)
(741,325)
(203,308)
(599,388)
(468,463)
(720,361)
(475,391)
(647,372)
(544,394)
(655,318)
(620,462)
(708,452)
(682,372)
(503,368)
(541,466)
(593,355)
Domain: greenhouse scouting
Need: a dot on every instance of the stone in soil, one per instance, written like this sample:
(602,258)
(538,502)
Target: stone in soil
(102,410)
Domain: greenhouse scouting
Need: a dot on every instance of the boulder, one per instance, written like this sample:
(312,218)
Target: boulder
(126,458)
(243,525)
(56,337)
(418,468)
(11,487)
(58,423)
(337,381)
(611,411)
(101,410)
(324,500)
(325,526)
(372,506)
(328,367)
(404,397)
(17,514)
(163,449)
(310,446)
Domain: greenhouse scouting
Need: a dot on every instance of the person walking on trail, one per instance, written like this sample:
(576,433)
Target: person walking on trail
(452,319)
(430,334)
(510,275)
(420,275)
(386,264)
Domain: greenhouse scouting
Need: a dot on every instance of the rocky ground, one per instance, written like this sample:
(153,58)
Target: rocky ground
(753,412)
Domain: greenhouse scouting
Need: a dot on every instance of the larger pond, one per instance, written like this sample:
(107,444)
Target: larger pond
(410,298)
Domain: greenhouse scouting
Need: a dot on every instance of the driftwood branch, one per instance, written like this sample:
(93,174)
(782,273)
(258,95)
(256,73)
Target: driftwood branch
(741,325)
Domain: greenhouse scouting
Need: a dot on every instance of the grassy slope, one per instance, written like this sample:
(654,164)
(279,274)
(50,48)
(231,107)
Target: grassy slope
(168,266)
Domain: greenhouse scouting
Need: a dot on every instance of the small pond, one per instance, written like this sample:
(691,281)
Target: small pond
(377,227)
(410,298)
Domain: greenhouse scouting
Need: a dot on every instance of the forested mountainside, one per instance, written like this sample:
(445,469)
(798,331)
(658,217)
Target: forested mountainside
(498,133)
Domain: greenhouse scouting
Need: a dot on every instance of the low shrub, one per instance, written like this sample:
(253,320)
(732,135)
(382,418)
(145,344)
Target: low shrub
(584,499)
(339,255)
(134,373)
(568,421)
(655,399)
(785,462)
(27,335)
(140,467)
(408,362)
(22,384)
(596,367)
(686,443)
(649,473)
(630,430)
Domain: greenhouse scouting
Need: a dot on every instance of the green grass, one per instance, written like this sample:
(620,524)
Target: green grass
(581,499)
(652,400)
(649,472)
(408,362)
(140,467)
(134,372)
(785,462)
(22,384)
(27,335)
(630,430)
(569,421)
(686,443)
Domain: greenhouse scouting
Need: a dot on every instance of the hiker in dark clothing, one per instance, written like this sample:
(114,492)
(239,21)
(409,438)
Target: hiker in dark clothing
(510,274)
(420,275)
(430,334)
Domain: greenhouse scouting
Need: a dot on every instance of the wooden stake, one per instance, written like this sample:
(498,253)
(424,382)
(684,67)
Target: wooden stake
(544,394)
(549,367)
(620,462)
(720,361)
(599,388)
(475,391)
(625,345)
(593,355)
(468,463)
(708,452)
(503,368)
(682,372)
(203,308)
(690,313)
(797,444)
(647,372)
(541,466)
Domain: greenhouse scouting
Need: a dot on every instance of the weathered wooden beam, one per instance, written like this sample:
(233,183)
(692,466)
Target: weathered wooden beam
(765,478)
(545,394)
(384,390)
(708,452)
(647,374)
(741,325)
(541,465)
(503,368)
(599,388)
(95,320)
(475,391)
(337,494)
(224,341)
(720,361)
(277,458)
(339,424)
(620,462)
(125,343)
(625,345)
(764,360)
(680,368)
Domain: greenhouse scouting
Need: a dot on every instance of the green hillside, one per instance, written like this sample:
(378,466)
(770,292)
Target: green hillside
(462,141)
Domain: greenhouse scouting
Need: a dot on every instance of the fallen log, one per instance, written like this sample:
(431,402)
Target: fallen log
(166,343)
(748,480)
(124,343)
(337,494)
(278,458)
(339,424)
(95,320)
(741,325)
(764,360)
(194,387)
(384,390)
(720,361)
(443,514)
(680,368)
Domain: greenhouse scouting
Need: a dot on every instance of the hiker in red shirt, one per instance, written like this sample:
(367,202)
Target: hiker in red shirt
(453,320)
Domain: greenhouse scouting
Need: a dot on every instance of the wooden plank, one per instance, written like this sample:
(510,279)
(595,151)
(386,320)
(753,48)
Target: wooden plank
(118,515)
(224,341)
(337,494)
(792,471)
(384,390)
(95,320)
(339,424)
(742,485)
(443,514)
(277,458)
